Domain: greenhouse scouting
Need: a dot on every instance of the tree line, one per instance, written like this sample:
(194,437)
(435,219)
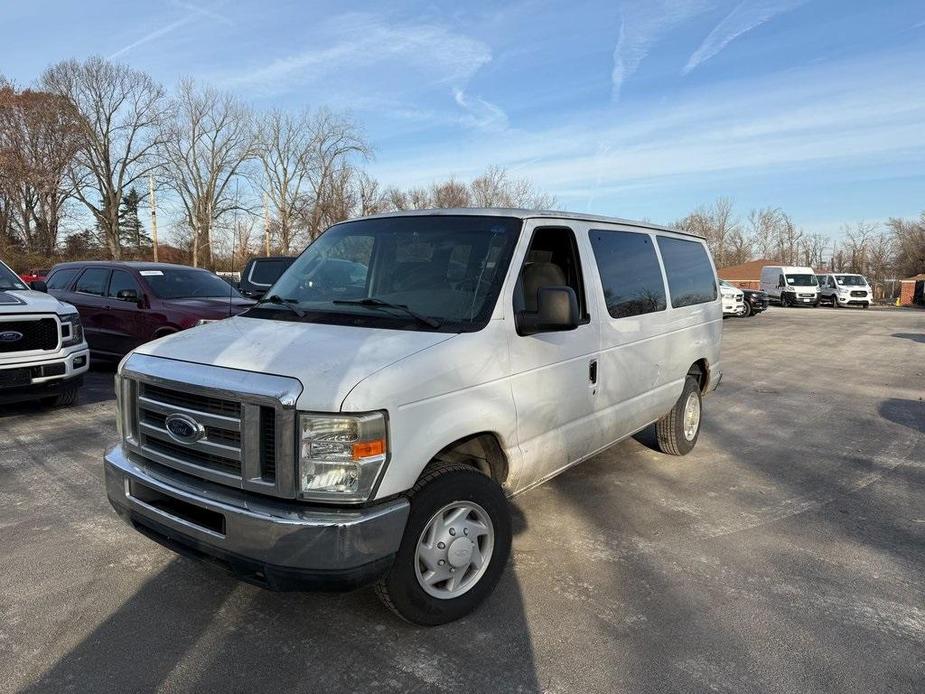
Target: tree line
(881,252)
(87,139)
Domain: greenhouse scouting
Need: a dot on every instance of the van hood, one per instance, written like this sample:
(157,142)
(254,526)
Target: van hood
(329,360)
(30,301)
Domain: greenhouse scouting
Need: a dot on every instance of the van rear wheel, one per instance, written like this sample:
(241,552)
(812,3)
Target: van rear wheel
(456,545)
(677,432)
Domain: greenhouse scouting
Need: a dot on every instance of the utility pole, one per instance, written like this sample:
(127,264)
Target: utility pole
(153,204)
(266,226)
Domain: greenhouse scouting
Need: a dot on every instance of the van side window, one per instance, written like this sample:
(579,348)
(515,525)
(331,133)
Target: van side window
(690,275)
(551,261)
(61,279)
(93,281)
(630,273)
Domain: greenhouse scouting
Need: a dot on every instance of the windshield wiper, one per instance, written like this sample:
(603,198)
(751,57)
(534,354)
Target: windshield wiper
(379,303)
(276,300)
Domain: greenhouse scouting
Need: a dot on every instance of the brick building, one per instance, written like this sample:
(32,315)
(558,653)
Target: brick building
(912,291)
(745,276)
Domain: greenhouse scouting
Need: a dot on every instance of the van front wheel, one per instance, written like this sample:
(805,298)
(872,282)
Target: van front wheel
(677,432)
(455,547)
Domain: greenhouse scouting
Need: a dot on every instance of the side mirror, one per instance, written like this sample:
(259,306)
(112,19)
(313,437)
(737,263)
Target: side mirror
(39,286)
(128,295)
(556,311)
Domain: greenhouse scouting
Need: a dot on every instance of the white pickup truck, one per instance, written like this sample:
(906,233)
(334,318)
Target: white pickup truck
(43,354)
(366,420)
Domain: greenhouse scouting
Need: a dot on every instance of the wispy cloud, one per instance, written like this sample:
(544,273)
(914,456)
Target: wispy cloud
(480,113)
(644,22)
(858,114)
(746,16)
(194,12)
(355,42)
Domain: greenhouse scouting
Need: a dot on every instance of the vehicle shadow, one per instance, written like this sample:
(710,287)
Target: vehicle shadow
(909,413)
(915,337)
(192,627)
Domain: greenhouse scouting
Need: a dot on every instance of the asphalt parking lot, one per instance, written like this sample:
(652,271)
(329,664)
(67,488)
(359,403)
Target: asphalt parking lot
(785,554)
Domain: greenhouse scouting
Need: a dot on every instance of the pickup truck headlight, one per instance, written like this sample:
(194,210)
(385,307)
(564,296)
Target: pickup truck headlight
(72,332)
(342,456)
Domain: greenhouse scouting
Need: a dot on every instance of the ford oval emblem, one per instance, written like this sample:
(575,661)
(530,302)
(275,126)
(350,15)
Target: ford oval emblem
(183,428)
(10,336)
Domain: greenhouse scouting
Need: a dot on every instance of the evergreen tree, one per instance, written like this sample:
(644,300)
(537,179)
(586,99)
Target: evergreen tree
(131,230)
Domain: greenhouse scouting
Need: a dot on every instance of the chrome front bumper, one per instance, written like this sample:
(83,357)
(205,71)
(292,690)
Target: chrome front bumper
(279,544)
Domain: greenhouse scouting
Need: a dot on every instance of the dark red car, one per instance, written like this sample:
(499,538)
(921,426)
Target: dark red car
(124,304)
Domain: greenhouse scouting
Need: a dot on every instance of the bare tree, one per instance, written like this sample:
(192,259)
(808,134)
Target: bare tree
(856,244)
(450,193)
(813,249)
(39,135)
(303,159)
(495,188)
(722,231)
(208,141)
(122,112)
(908,238)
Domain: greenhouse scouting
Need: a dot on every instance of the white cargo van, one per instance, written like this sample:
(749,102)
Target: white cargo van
(366,421)
(845,289)
(790,285)
(43,354)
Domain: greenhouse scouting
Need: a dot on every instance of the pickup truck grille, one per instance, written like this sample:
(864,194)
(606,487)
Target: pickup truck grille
(36,334)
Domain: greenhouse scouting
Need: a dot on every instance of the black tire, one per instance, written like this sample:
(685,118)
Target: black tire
(748,311)
(783,300)
(67,397)
(438,486)
(669,429)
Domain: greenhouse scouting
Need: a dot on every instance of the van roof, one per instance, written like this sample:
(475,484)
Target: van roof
(790,268)
(521,213)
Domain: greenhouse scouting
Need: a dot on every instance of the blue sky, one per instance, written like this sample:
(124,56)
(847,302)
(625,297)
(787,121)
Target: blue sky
(637,108)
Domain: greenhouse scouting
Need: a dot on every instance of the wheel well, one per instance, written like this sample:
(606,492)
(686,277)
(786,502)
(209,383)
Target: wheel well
(700,370)
(482,451)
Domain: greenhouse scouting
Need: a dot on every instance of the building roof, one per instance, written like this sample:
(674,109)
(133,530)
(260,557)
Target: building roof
(916,278)
(750,271)
(524,214)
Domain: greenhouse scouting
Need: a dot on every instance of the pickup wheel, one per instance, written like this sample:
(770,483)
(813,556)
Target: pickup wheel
(748,310)
(454,550)
(677,432)
(65,398)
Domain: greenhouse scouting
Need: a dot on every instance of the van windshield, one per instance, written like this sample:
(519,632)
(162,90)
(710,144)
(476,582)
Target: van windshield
(9,280)
(802,280)
(851,280)
(433,273)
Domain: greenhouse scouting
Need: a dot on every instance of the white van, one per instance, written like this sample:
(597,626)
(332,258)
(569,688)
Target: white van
(845,289)
(790,285)
(43,353)
(366,421)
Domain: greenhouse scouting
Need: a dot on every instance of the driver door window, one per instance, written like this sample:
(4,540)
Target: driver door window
(553,394)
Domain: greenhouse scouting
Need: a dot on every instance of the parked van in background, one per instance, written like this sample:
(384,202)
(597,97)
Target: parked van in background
(790,285)
(368,428)
(845,289)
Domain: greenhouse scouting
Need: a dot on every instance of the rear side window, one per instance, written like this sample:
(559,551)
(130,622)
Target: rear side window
(266,272)
(630,273)
(690,275)
(122,280)
(93,281)
(61,279)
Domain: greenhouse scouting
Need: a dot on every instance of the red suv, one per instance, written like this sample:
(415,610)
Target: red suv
(124,304)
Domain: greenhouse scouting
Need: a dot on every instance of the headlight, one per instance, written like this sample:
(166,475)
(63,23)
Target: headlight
(342,456)
(205,321)
(72,332)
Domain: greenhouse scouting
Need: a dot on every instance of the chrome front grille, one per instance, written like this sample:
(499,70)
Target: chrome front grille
(245,422)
